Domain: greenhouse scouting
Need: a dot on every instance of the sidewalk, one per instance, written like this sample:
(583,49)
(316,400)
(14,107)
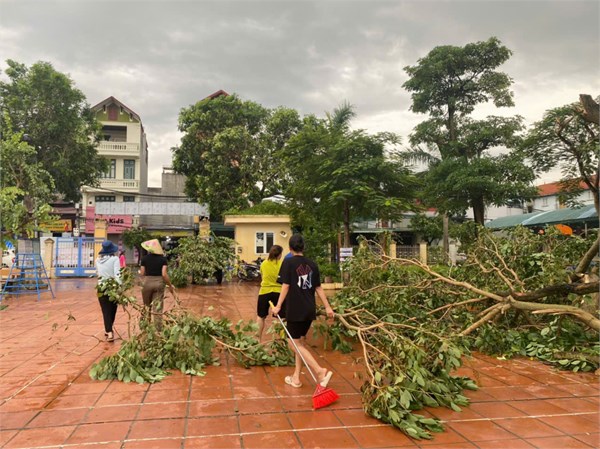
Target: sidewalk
(47,399)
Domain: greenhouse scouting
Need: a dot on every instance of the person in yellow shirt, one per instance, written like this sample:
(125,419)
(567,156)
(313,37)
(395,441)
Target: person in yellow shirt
(269,287)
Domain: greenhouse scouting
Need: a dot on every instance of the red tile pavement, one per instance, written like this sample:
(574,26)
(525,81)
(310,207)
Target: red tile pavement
(48,400)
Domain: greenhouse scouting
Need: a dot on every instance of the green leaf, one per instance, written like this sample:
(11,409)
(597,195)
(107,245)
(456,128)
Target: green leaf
(405,399)
(455,407)
(412,432)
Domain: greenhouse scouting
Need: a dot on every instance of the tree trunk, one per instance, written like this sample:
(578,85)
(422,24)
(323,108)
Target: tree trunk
(346,225)
(478,210)
(445,236)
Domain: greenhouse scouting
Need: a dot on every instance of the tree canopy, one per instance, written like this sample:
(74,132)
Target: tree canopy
(25,187)
(565,139)
(231,151)
(53,116)
(448,84)
(341,174)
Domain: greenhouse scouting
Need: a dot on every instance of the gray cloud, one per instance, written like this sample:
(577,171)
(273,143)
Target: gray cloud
(160,56)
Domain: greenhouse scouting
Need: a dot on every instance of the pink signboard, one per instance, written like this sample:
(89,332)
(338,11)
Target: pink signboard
(116,223)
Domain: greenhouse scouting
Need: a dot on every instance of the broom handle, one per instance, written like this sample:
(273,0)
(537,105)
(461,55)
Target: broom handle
(292,340)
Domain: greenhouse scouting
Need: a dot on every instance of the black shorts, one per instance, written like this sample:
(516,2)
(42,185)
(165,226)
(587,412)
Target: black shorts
(298,329)
(262,306)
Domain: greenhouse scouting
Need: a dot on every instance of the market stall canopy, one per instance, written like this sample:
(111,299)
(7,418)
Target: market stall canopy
(581,215)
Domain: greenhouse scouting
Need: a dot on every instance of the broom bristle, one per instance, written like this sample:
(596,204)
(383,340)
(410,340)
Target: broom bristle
(322,397)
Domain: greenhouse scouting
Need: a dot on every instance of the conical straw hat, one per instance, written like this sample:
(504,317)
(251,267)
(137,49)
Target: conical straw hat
(153,246)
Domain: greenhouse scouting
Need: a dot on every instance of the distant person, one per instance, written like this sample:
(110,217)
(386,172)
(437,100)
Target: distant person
(122,259)
(269,287)
(107,266)
(155,277)
(300,281)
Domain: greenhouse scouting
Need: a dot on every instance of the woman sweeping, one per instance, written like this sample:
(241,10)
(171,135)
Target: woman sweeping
(300,280)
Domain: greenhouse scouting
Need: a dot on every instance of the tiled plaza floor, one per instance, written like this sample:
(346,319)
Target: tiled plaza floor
(47,399)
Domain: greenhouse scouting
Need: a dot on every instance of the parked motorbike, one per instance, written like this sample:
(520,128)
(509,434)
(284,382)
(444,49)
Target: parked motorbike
(249,271)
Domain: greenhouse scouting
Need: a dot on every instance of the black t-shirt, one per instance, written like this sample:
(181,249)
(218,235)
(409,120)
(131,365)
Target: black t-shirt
(153,264)
(302,275)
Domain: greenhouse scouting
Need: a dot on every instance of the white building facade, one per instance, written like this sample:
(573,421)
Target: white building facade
(124,144)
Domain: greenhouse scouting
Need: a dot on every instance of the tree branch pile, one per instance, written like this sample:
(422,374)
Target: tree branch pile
(520,293)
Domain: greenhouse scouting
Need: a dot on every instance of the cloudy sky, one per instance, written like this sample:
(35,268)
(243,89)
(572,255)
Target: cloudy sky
(160,56)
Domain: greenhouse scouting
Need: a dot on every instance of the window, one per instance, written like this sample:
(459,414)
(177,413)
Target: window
(545,201)
(105,199)
(263,242)
(129,199)
(112,170)
(128,169)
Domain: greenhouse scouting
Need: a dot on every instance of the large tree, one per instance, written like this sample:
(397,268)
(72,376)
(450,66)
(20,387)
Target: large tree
(341,174)
(25,187)
(231,151)
(566,138)
(55,119)
(448,84)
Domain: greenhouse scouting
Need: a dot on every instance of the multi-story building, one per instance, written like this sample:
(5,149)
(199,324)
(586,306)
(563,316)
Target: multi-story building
(124,145)
(548,197)
(171,192)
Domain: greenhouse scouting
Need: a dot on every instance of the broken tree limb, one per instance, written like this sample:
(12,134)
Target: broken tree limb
(591,109)
(586,260)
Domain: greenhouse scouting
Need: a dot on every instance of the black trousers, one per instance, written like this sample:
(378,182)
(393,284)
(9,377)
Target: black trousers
(109,312)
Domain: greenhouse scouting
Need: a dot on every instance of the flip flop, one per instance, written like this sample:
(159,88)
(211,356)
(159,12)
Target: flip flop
(326,379)
(290,381)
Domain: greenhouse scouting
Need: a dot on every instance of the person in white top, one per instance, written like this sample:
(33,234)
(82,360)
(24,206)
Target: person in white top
(108,266)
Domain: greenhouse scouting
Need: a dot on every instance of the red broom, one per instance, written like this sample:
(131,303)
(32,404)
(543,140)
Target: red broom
(323,396)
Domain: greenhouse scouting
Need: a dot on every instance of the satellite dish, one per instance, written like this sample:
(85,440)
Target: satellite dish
(283,234)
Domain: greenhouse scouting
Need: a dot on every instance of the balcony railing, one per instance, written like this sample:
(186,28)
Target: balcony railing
(119,148)
(113,183)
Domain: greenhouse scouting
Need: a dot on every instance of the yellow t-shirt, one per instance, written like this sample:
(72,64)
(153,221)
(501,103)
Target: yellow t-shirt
(269,271)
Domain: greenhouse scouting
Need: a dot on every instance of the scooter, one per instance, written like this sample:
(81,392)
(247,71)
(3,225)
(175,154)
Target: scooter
(249,271)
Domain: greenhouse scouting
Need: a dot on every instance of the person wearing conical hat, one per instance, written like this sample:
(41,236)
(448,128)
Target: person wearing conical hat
(154,273)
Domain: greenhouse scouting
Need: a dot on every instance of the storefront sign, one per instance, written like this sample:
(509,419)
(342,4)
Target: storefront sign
(116,224)
(62,225)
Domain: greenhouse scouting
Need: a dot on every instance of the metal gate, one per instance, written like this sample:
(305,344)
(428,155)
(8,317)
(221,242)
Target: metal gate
(74,256)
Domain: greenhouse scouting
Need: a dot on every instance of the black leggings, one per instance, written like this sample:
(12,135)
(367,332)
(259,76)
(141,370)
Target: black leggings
(109,312)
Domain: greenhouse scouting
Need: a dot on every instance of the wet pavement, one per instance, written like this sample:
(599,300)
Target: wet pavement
(47,399)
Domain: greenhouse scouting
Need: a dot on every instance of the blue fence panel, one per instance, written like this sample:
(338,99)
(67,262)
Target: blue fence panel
(75,256)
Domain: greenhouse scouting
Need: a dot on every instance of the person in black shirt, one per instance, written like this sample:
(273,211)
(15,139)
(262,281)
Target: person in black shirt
(154,270)
(300,281)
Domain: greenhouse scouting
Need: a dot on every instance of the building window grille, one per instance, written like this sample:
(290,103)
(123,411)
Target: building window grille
(129,169)
(112,170)
(129,199)
(264,242)
(105,199)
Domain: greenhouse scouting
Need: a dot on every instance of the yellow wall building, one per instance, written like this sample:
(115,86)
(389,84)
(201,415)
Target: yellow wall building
(255,234)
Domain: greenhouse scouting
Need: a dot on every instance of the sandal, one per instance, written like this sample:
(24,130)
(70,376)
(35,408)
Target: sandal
(290,381)
(110,337)
(326,379)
